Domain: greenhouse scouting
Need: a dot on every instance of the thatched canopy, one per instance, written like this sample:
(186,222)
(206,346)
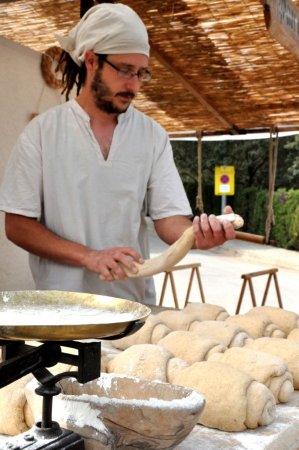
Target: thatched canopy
(215,65)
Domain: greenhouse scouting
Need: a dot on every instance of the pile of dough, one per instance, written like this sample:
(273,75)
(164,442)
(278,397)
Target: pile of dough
(285,320)
(234,400)
(178,320)
(262,367)
(229,334)
(152,331)
(191,347)
(147,361)
(286,349)
(206,311)
(257,325)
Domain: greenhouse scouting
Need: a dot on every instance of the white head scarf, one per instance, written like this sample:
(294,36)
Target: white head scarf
(106,29)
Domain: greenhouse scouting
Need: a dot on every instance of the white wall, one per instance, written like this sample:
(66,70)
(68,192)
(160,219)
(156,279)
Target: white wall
(22,93)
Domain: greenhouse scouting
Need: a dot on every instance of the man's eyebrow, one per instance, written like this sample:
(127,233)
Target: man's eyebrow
(130,66)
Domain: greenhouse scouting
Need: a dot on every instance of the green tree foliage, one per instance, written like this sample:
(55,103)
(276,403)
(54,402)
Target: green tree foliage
(286,207)
(250,158)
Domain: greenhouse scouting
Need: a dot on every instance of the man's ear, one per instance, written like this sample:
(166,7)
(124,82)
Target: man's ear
(91,60)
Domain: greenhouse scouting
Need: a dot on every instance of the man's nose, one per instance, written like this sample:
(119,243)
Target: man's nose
(134,83)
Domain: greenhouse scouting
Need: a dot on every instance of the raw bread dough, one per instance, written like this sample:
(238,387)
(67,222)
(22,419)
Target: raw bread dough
(152,331)
(257,325)
(147,361)
(286,349)
(15,418)
(263,367)
(206,311)
(177,320)
(285,320)
(234,401)
(230,334)
(191,347)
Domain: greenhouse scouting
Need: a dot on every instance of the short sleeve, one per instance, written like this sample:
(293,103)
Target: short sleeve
(166,195)
(21,187)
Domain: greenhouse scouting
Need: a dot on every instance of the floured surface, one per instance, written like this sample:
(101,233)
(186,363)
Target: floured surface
(282,434)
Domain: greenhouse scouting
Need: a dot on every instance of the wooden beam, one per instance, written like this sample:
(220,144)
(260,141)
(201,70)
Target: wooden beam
(194,91)
(282,22)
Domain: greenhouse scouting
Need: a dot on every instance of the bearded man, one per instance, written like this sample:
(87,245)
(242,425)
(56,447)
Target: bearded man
(84,175)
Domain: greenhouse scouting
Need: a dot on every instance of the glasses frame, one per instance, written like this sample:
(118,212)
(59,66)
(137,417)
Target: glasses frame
(143,75)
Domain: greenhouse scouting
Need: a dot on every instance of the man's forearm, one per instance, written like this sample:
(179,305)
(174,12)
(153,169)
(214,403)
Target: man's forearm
(208,231)
(171,228)
(34,237)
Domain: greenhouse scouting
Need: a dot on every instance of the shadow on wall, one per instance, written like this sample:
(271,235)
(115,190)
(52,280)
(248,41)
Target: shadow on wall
(23,94)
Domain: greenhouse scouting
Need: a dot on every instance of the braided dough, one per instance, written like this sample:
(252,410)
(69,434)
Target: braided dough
(50,56)
(263,367)
(151,333)
(229,334)
(177,320)
(285,320)
(206,311)
(148,362)
(234,400)
(175,252)
(257,325)
(286,349)
(190,346)
(294,334)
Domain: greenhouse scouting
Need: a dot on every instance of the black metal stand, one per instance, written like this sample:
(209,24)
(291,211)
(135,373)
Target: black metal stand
(55,438)
(20,359)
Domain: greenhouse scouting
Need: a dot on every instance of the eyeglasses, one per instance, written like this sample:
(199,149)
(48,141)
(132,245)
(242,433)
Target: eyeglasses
(126,73)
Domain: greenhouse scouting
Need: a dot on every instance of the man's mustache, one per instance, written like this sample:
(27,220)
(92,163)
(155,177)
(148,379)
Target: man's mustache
(128,94)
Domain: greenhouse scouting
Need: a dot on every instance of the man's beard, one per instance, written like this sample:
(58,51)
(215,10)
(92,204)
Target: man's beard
(100,91)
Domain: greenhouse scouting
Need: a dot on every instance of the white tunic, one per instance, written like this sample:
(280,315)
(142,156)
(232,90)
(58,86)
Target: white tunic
(57,174)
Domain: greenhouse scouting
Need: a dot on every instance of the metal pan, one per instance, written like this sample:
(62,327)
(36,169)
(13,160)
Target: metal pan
(61,315)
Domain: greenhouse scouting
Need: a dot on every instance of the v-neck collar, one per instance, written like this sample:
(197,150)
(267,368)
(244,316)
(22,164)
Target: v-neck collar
(77,108)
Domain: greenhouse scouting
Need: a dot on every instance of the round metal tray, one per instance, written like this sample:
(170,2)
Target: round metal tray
(61,315)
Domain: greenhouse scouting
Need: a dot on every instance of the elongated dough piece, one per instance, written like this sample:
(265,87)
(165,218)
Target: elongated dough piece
(206,311)
(229,334)
(285,320)
(176,251)
(234,400)
(190,346)
(148,362)
(152,331)
(257,325)
(263,367)
(286,349)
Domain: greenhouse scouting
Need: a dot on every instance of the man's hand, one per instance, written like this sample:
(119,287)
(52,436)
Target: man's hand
(35,238)
(108,263)
(209,232)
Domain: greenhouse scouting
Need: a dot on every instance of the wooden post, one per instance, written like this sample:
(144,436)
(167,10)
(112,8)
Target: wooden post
(247,279)
(199,200)
(169,276)
(282,22)
(273,154)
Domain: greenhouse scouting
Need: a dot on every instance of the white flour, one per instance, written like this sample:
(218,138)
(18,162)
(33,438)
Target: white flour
(61,316)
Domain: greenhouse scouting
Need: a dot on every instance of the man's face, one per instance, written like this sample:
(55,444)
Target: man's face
(111,92)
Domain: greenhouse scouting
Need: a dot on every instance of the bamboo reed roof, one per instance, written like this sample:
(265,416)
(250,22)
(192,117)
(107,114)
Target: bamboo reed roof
(215,65)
